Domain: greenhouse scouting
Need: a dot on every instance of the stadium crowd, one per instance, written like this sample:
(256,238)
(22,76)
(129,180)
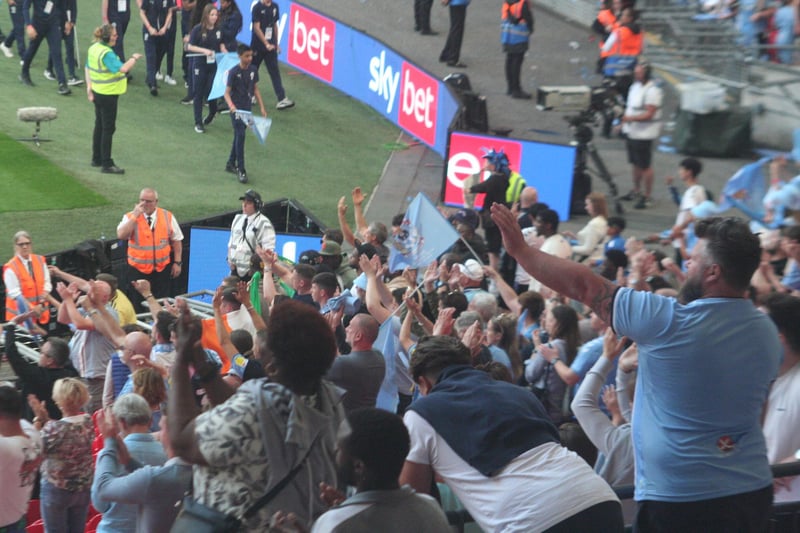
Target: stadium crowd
(520,374)
(526,391)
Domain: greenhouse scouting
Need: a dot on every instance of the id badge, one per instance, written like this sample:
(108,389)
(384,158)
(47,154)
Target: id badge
(48,7)
(13,9)
(268,33)
(122,6)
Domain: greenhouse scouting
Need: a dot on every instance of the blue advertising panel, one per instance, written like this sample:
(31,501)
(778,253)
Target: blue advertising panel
(364,68)
(548,167)
(209,248)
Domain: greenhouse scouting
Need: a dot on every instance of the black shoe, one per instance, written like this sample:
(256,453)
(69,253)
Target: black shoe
(113,169)
(631,196)
(199,128)
(96,164)
(643,203)
(456,64)
(187,100)
(231,168)
(521,95)
(429,32)
(154,90)
(209,119)
(63,90)
(242,176)
(26,80)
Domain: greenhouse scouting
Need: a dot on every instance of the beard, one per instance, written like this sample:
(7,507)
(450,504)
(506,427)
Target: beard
(692,290)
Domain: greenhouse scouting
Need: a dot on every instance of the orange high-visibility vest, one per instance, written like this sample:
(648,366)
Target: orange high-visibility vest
(32,286)
(149,250)
(628,43)
(607,18)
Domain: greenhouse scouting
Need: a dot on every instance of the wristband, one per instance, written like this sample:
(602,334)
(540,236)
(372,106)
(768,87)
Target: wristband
(147,296)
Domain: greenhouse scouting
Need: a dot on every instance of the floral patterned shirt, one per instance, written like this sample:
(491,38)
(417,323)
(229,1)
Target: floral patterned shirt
(68,460)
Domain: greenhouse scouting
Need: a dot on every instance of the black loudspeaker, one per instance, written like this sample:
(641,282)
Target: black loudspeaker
(581,187)
(474,115)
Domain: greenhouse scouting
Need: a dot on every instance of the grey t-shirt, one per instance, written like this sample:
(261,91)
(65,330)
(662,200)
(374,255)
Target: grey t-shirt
(360,374)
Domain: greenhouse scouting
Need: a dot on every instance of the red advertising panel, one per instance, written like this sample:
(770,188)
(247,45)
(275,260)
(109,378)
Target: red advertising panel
(311,42)
(419,96)
(466,159)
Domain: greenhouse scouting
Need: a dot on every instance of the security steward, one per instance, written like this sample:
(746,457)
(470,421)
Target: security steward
(249,230)
(154,242)
(26,276)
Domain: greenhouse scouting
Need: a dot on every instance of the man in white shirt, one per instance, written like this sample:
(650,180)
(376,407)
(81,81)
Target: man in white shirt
(249,230)
(27,278)
(695,194)
(782,413)
(494,446)
(641,123)
(545,234)
(155,246)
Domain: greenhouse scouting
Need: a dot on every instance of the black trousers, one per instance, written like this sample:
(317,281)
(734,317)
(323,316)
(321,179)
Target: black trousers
(270,59)
(605,517)
(52,32)
(105,123)
(121,24)
(160,285)
(202,80)
(452,47)
(513,69)
(746,512)
(422,15)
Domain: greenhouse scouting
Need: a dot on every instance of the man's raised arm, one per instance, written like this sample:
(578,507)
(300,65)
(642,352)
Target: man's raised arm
(566,277)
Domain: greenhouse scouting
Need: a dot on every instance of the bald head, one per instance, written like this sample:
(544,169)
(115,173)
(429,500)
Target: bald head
(136,343)
(103,291)
(362,331)
(528,197)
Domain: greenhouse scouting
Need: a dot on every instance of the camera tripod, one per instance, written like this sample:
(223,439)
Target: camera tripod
(582,136)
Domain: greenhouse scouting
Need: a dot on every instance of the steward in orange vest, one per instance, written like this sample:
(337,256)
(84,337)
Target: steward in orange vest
(34,284)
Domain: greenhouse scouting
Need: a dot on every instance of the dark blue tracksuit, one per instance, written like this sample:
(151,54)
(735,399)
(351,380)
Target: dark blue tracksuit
(242,84)
(155,47)
(203,72)
(47,19)
(266,16)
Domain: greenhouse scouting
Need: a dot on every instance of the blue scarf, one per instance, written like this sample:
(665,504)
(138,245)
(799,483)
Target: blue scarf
(487,423)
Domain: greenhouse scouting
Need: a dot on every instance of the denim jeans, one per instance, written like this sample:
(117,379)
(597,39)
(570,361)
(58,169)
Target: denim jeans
(63,511)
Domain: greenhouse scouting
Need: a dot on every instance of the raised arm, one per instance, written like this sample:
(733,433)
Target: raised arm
(361,223)
(507,293)
(341,210)
(597,425)
(566,277)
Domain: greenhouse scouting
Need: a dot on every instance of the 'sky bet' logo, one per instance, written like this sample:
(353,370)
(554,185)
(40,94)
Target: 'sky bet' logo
(419,95)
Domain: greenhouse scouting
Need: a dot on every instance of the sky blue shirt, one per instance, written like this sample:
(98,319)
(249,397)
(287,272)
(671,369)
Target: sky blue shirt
(704,374)
(121,517)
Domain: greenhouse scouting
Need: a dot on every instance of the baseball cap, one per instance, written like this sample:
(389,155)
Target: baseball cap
(251,196)
(465,216)
(330,248)
(471,268)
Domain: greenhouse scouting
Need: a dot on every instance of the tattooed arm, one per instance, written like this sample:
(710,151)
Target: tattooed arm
(566,277)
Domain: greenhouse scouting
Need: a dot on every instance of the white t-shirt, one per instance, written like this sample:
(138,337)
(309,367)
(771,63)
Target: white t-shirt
(20,458)
(782,419)
(534,492)
(694,196)
(639,97)
(555,245)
